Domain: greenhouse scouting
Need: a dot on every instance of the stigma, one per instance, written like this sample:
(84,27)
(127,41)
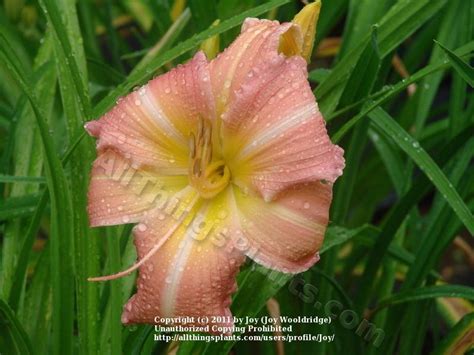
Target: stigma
(207,176)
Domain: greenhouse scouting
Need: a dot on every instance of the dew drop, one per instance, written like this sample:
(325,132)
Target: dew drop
(121,139)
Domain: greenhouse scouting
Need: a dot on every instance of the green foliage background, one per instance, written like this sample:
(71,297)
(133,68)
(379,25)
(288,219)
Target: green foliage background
(400,212)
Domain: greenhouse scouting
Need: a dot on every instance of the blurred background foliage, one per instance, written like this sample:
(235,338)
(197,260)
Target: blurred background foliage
(394,81)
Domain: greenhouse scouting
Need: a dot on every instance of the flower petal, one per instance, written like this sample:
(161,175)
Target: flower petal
(285,234)
(253,51)
(275,136)
(152,124)
(184,94)
(272,131)
(121,192)
(192,274)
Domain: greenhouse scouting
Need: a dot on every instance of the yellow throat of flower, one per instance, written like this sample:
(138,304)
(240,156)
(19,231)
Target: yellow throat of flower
(208,177)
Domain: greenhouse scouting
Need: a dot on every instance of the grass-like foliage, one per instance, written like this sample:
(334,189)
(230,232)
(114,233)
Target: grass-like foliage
(393,79)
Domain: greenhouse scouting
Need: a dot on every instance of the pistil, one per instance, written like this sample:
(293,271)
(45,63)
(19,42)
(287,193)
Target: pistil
(208,177)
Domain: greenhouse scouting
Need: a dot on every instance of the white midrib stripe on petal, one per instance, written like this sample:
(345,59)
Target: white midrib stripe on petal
(297,219)
(230,73)
(285,214)
(286,123)
(177,267)
(153,108)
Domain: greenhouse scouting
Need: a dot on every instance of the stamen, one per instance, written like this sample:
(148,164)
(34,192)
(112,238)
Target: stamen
(197,167)
(206,176)
(192,146)
(152,251)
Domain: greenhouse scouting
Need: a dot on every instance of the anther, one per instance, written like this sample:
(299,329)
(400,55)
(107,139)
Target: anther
(208,177)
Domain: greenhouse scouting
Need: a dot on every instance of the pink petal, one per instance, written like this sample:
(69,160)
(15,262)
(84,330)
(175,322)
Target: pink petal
(253,51)
(285,234)
(144,139)
(151,125)
(120,192)
(273,133)
(192,274)
(185,94)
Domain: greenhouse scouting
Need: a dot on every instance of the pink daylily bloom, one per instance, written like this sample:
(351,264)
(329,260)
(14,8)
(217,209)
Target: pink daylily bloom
(215,161)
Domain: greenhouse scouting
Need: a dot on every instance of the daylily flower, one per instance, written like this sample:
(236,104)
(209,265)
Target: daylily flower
(216,161)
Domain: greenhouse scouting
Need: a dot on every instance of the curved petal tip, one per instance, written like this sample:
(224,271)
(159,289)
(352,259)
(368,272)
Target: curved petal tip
(93,128)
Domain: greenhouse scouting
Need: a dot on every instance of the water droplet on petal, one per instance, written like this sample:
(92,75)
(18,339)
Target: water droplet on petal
(222,214)
(121,139)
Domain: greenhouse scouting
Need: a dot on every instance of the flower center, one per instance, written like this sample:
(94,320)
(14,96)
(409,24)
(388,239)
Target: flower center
(207,176)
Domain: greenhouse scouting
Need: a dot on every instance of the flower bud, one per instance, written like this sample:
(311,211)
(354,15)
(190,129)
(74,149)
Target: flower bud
(13,8)
(307,18)
(177,9)
(29,16)
(211,45)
